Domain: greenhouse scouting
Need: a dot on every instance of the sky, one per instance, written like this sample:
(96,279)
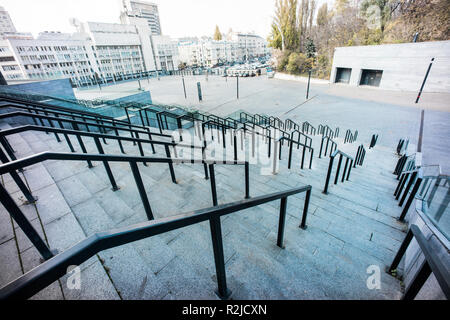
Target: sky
(178,17)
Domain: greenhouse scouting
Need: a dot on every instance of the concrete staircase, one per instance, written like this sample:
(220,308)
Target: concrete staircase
(350,229)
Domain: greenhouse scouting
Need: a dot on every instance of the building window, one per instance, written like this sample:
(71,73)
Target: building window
(343,75)
(371,77)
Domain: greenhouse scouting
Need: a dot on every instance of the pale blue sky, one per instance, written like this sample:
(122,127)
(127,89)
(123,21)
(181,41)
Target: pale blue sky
(178,17)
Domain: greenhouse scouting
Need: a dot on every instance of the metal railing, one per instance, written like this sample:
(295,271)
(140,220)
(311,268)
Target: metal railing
(289,125)
(308,140)
(350,137)
(328,140)
(326,131)
(48,107)
(405,163)
(419,185)
(48,272)
(409,179)
(308,128)
(345,174)
(360,156)
(373,141)
(402,146)
(290,145)
(13,166)
(89,120)
(79,135)
(77,124)
(431,264)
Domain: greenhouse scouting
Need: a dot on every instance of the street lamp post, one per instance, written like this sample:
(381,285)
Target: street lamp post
(309,80)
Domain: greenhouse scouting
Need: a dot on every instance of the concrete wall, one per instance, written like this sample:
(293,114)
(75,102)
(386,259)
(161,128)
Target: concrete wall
(55,88)
(404,65)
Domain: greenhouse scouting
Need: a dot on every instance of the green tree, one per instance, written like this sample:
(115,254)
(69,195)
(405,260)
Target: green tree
(217,34)
(284,34)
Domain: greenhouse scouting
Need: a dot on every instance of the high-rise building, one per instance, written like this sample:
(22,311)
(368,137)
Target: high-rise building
(6,24)
(146,10)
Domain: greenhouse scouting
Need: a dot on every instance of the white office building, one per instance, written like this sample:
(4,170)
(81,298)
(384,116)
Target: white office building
(6,24)
(51,55)
(109,51)
(146,10)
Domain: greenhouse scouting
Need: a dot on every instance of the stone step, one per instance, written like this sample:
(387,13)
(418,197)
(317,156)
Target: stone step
(343,226)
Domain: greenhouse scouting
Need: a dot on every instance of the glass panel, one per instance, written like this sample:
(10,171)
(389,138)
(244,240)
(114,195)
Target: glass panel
(436,203)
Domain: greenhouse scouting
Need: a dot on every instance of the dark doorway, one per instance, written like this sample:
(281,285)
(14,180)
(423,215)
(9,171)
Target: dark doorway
(343,75)
(371,77)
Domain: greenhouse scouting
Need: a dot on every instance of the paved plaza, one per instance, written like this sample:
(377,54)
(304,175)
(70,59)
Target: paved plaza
(392,114)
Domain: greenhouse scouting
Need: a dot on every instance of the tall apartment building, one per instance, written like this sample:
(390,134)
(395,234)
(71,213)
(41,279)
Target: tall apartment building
(146,10)
(6,24)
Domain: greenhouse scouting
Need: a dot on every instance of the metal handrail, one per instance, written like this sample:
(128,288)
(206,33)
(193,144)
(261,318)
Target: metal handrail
(345,174)
(302,134)
(25,225)
(350,137)
(99,119)
(307,125)
(291,143)
(51,270)
(79,123)
(431,264)
(332,147)
(360,156)
(326,131)
(373,141)
(58,108)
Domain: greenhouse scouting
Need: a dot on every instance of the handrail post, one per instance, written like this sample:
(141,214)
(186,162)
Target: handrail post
(106,165)
(24,224)
(402,185)
(401,251)
(83,148)
(19,182)
(338,169)
(399,184)
(349,169)
(235,146)
(172,172)
(345,169)
(141,190)
(290,155)
(408,186)
(320,152)
(410,199)
(219,260)
(305,209)
(327,181)
(418,281)
(213,184)
(247,180)
(303,157)
(281,222)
